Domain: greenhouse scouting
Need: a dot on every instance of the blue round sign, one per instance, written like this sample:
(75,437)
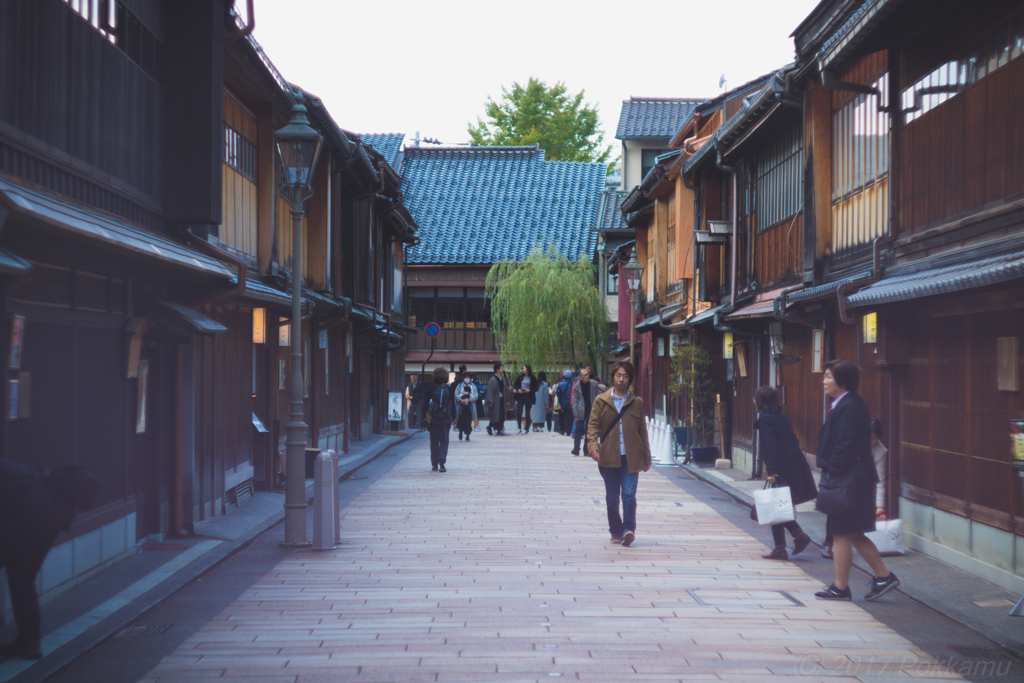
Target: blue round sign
(432,330)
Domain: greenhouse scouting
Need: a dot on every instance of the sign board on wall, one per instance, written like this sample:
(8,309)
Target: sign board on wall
(395,406)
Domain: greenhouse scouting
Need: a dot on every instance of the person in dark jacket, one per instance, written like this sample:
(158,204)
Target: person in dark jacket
(786,466)
(35,506)
(844,450)
(439,396)
(564,394)
(498,398)
(525,391)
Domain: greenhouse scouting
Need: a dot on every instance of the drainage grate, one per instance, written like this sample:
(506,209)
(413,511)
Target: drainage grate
(266,543)
(982,653)
(136,631)
(720,600)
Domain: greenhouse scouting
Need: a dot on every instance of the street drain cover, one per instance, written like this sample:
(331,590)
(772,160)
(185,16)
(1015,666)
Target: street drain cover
(137,631)
(267,543)
(721,598)
(983,653)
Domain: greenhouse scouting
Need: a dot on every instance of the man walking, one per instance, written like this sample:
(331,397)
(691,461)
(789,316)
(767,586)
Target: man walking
(583,394)
(564,394)
(414,395)
(499,392)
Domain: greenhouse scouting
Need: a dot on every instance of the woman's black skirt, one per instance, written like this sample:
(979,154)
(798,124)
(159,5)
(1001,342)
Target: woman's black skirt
(862,519)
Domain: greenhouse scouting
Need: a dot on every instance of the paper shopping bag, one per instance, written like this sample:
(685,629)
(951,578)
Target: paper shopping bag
(888,537)
(774,505)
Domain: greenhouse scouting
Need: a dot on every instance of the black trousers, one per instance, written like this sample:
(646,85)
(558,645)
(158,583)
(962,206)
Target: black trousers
(523,413)
(565,421)
(25,539)
(779,532)
(439,431)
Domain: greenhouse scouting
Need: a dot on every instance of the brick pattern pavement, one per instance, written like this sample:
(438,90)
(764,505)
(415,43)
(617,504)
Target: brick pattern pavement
(501,569)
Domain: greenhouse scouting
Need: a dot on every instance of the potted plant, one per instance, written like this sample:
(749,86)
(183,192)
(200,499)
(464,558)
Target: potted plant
(691,368)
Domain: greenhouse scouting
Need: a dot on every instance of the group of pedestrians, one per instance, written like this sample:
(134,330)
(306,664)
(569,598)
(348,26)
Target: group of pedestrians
(848,455)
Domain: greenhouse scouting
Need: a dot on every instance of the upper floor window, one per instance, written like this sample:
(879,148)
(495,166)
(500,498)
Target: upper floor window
(647,159)
(779,186)
(999,47)
(114,22)
(613,284)
(239,153)
(860,141)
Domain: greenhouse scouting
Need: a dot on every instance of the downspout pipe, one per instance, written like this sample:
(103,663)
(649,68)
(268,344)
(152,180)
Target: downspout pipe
(779,311)
(722,327)
(223,255)
(250,23)
(720,163)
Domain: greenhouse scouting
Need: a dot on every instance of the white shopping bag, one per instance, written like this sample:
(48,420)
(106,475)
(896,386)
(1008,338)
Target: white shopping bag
(888,537)
(774,505)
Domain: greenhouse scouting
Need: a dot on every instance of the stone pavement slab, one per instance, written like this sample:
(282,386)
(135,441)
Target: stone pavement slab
(501,569)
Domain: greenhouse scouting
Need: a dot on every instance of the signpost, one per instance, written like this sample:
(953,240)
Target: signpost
(431,330)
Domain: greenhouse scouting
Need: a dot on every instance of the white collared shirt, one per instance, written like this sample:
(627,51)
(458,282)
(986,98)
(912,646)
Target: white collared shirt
(836,402)
(619,403)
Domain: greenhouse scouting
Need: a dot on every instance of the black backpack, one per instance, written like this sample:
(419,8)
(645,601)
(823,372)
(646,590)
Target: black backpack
(440,406)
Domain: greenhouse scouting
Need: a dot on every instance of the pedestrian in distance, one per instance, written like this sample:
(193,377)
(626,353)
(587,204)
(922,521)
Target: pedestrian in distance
(881,456)
(564,394)
(540,407)
(466,397)
(499,394)
(786,466)
(525,391)
(35,506)
(618,441)
(844,453)
(414,395)
(481,392)
(440,411)
(583,394)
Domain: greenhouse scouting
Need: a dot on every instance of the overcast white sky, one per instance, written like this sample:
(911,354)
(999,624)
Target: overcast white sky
(401,66)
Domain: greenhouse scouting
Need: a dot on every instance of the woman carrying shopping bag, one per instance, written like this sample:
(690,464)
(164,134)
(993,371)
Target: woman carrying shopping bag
(786,466)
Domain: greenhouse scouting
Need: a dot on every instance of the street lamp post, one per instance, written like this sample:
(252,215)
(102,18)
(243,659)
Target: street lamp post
(634,271)
(298,146)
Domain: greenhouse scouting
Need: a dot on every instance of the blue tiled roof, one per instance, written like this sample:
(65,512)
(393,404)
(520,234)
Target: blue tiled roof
(650,117)
(483,204)
(387,144)
(611,215)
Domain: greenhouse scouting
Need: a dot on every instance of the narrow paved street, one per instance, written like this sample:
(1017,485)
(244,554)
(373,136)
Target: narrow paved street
(501,569)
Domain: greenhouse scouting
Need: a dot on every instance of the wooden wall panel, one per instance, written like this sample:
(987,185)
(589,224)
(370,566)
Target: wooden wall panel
(777,251)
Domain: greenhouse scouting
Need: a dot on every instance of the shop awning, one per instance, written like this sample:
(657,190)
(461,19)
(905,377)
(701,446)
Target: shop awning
(664,315)
(945,280)
(11,264)
(705,316)
(762,306)
(104,229)
(823,291)
(181,320)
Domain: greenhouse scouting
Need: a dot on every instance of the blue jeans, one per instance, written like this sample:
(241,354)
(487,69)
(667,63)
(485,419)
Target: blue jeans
(616,480)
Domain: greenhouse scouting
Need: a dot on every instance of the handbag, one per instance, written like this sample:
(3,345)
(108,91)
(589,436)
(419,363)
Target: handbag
(836,495)
(774,505)
(888,537)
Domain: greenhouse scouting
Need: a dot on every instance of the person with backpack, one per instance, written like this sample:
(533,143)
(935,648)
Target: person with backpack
(440,411)
(35,506)
(563,393)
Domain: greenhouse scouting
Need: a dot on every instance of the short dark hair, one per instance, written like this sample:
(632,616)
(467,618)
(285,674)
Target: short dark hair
(623,365)
(497,366)
(845,373)
(542,376)
(876,427)
(440,375)
(767,399)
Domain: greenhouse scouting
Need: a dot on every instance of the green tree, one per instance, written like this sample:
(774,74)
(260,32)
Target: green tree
(563,125)
(691,367)
(547,311)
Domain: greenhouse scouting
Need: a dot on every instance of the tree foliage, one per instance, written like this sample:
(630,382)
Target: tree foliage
(547,311)
(563,125)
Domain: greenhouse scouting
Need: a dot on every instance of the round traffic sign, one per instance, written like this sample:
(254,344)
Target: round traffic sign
(432,330)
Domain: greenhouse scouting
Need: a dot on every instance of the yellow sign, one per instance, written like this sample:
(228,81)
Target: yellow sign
(871,328)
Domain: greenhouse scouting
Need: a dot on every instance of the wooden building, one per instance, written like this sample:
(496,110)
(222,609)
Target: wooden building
(476,206)
(145,269)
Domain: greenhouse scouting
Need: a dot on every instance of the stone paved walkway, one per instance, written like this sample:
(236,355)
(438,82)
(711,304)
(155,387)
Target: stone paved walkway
(501,569)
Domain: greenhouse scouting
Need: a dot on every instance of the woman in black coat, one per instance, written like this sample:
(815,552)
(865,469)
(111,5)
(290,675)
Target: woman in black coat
(786,465)
(525,391)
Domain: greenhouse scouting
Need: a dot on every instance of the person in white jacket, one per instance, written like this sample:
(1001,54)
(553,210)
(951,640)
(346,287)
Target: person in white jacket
(881,455)
(466,397)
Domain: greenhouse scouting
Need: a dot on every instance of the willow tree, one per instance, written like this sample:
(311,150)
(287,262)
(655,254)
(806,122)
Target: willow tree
(547,311)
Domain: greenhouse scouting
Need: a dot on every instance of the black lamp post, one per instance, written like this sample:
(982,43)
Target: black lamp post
(298,146)
(634,271)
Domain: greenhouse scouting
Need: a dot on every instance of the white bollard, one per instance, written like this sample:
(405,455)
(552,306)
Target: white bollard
(324,495)
(667,443)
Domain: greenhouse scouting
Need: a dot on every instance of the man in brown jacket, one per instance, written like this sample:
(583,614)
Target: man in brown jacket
(617,437)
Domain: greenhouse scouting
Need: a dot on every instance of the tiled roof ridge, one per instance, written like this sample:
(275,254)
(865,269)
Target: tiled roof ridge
(634,98)
(477,148)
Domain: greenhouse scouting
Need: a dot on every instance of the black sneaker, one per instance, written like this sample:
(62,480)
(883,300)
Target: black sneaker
(833,593)
(575,452)
(434,468)
(880,587)
(443,469)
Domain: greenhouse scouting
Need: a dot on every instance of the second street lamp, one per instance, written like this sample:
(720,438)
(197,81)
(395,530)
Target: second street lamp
(298,146)
(634,271)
